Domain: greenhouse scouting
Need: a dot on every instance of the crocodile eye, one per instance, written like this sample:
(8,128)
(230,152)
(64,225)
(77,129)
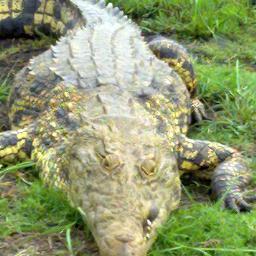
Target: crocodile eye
(149,167)
(111,162)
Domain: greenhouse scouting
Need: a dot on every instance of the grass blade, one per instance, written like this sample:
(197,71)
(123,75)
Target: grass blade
(15,168)
(69,241)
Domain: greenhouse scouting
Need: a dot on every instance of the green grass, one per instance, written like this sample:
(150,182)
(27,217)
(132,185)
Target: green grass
(206,230)
(221,36)
(36,209)
(230,91)
(191,18)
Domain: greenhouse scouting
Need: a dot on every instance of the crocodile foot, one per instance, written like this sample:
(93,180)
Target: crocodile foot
(238,202)
(198,111)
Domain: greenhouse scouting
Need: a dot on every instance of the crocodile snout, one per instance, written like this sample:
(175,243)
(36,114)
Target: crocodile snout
(122,245)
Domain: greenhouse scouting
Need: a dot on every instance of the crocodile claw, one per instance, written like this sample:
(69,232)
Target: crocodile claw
(198,111)
(250,199)
(239,203)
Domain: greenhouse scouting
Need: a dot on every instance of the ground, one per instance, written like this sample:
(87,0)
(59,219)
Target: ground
(221,36)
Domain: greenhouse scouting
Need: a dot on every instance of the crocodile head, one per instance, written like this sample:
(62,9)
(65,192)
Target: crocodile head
(124,179)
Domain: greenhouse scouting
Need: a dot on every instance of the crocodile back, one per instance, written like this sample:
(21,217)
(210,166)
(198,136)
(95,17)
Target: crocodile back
(109,50)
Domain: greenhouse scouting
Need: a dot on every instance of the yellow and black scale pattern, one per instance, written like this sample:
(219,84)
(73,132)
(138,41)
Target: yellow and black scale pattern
(14,146)
(63,127)
(29,17)
(177,57)
(223,165)
(53,132)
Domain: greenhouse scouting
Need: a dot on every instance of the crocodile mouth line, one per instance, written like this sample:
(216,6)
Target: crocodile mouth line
(148,227)
(151,223)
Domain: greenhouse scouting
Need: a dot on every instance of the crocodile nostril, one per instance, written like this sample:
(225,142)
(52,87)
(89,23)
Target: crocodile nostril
(125,238)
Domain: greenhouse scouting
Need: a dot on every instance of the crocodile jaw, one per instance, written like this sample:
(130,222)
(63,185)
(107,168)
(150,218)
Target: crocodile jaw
(127,237)
(123,208)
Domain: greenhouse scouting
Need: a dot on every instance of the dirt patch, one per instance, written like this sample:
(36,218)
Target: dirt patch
(35,243)
(32,244)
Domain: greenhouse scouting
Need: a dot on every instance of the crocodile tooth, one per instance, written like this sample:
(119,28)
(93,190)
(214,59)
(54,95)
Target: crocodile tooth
(149,222)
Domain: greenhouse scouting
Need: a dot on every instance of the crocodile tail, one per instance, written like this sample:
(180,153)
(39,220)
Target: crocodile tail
(32,17)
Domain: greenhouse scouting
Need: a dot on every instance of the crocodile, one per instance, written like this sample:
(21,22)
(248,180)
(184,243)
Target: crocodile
(105,114)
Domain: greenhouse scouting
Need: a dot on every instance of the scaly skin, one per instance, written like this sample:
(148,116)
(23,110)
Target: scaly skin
(106,122)
(29,17)
(177,57)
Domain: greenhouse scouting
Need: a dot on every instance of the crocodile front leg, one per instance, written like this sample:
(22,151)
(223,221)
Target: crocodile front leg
(225,167)
(52,164)
(15,146)
(177,57)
